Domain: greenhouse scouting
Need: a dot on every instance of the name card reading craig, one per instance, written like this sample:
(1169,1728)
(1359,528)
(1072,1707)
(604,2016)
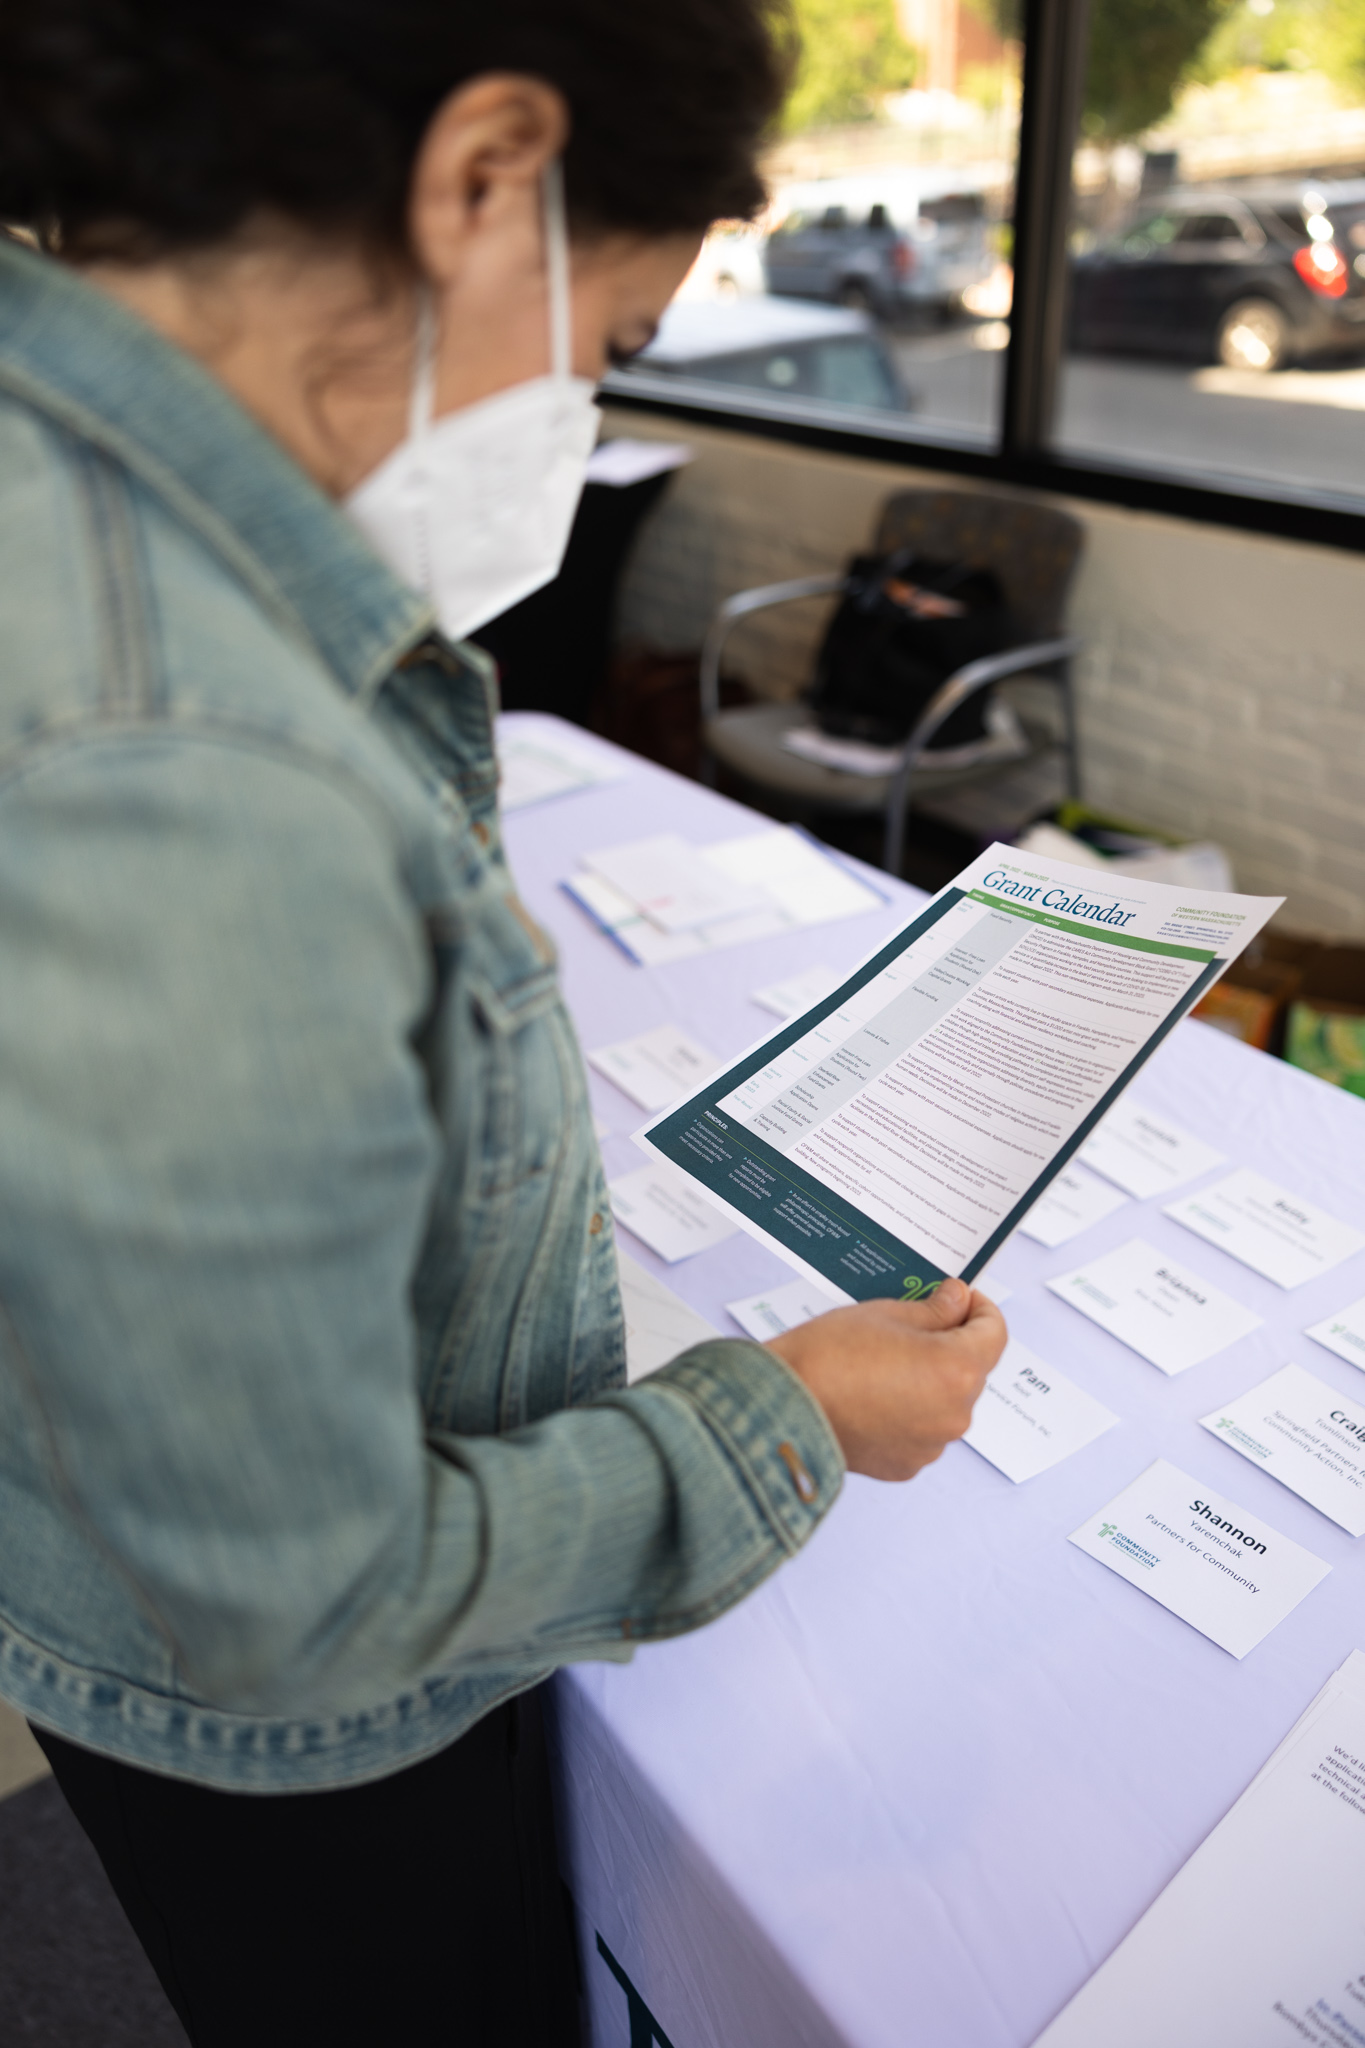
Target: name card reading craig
(1307,1436)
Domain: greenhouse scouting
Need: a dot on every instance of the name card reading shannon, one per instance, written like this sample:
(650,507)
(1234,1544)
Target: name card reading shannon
(1274,1232)
(1030,1416)
(1307,1436)
(1224,1571)
(1171,1317)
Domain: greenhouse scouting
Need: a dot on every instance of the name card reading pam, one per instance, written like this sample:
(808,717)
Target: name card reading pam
(1269,1229)
(1306,1435)
(1224,1571)
(1168,1315)
(1030,1416)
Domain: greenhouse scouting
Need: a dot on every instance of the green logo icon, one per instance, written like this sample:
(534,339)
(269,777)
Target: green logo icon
(915,1289)
(1108,1529)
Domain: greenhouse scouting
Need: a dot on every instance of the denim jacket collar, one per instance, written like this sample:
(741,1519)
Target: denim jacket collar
(75,354)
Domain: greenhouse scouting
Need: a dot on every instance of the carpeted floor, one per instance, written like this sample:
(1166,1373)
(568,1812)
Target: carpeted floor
(71,1973)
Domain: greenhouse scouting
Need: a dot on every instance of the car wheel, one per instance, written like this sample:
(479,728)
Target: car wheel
(855,295)
(1253,335)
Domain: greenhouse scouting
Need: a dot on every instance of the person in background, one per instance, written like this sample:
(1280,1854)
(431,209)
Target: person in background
(316,1456)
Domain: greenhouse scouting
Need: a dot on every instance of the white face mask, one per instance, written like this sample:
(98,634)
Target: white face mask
(474,509)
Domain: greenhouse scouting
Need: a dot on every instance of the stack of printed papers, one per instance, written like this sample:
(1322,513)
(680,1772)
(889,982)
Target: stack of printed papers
(663,899)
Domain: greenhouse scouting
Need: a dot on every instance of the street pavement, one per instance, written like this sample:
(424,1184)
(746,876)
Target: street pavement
(1299,427)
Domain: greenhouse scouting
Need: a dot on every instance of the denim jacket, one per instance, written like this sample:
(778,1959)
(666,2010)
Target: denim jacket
(314,1442)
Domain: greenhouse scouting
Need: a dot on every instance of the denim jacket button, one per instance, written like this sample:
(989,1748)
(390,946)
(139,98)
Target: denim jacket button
(595,1226)
(801,1478)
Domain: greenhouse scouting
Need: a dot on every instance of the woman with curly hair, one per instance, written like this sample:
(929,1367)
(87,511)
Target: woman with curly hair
(316,1455)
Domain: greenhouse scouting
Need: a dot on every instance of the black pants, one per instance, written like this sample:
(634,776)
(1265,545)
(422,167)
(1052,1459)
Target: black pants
(422,1911)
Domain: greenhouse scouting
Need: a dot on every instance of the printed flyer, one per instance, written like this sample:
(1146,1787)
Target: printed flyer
(899,1129)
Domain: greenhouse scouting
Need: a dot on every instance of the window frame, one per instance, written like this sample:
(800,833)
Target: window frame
(1023,455)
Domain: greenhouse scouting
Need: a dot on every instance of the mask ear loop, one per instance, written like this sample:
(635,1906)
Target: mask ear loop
(557,270)
(422,399)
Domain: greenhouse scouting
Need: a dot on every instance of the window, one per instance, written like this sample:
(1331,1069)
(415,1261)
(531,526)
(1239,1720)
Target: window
(1121,253)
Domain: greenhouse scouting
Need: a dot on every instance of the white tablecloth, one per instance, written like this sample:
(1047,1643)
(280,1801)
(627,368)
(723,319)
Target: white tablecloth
(913,1791)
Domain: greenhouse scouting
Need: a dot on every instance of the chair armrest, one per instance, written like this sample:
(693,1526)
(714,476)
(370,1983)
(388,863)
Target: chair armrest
(738,607)
(992,668)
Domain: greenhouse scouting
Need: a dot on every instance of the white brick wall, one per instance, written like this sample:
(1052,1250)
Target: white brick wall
(1221,694)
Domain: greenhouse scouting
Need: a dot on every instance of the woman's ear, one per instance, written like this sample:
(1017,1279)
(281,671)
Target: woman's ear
(485,145)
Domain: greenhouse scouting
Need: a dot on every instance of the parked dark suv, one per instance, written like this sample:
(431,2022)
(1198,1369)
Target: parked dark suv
(1254,277)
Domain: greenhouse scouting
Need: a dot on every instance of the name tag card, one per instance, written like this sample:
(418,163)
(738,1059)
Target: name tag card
(801,992)
(1275,1233)
(1144,1154)
(779,1308)
(1073,1202)
(1343,1333)
(1030,1416)
(1168,1315)
(665,1212)
(657,1067)
(1225,1572)
(1306,1436)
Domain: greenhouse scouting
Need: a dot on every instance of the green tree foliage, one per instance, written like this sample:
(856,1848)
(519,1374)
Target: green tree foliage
(1289,35)
(1140,50)
(852,52)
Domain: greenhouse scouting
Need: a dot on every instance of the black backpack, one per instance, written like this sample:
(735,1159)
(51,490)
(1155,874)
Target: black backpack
(906,623)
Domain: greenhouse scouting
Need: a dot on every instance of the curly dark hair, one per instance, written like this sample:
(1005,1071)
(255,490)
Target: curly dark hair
(142,127)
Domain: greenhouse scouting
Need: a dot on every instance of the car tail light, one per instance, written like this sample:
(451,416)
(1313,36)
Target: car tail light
(1323,267)
(902,257)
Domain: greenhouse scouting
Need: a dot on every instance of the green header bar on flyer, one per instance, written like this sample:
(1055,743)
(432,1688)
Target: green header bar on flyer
(1090,931)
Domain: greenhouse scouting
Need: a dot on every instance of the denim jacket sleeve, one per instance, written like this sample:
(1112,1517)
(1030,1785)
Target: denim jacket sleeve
(222,1160)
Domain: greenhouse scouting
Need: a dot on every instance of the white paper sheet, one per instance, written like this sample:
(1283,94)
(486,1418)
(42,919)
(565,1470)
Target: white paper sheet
(1170,1316)
(1306,1435)
(657,1067)
(1274,1232)
(1257,1942)
(625,461)
(1219,1567)
(1030,1416)
(779,1308)
(1145,1154)
(665,1211)
(799,992)
(672,883)
(531,770)
(1343,1333)
(658,1325)
(1075,1200)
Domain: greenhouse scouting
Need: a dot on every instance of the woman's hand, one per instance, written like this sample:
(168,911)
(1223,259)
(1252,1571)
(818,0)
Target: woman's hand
(898,1379)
